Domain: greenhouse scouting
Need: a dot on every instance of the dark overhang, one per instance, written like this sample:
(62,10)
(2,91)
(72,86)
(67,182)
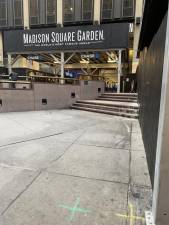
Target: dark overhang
(76,38)
(154,13)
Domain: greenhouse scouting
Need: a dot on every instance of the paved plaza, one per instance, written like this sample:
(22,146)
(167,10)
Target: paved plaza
(68,167)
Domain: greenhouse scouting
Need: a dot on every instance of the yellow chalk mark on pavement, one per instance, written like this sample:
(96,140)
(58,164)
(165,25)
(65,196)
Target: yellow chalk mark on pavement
(131,217)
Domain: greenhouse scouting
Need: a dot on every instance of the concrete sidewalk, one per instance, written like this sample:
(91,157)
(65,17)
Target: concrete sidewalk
(72,167)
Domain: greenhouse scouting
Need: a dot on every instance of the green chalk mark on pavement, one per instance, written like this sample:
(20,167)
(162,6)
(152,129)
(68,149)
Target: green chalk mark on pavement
(74,209)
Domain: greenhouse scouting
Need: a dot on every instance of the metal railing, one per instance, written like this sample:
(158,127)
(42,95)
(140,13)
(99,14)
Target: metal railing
(54,80)
(26,82)
(89,77)
(6,77)
(8,84)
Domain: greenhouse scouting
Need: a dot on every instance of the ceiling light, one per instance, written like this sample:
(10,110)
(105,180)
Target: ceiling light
(111,61)
(83,61)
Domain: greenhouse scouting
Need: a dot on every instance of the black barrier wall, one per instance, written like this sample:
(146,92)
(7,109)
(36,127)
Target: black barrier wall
(149,75)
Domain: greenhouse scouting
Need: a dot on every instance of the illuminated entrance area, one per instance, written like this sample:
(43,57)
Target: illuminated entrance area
(109,66)
(97,65)
(81,52)
(71,64)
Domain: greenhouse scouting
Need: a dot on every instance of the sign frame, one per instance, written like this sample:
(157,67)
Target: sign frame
(67,39)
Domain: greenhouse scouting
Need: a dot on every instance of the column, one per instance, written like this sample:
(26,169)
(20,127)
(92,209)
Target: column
(97,8)
(119,71)
(137,29)
(60,12)
(62,67)
(161,183)
(26,14)
(60,21)
(1,50)
(9,64)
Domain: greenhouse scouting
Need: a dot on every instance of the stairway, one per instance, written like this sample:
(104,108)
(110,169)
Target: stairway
(122,104)
(118,97)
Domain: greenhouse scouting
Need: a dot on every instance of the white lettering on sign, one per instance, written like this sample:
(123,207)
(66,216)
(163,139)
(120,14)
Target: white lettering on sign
(97,35)
(64,37)
(36,38)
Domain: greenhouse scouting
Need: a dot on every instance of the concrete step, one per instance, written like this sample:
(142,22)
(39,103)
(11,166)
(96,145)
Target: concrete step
(129,105)
(107,108)
(116,99)
(122,94)
(128,115)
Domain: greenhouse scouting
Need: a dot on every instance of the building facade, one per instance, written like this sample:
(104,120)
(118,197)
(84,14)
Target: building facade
(44,12)
(30,14)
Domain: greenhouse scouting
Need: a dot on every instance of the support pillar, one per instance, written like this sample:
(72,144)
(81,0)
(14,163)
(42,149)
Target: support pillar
(119,71)
(97,8)
(161,183)
(60,22)
(1,50)
(26,14)
(60,12)
(62,63)
(9,64)
(137,29)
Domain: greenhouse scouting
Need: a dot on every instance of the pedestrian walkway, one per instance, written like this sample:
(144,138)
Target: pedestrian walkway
(72,167)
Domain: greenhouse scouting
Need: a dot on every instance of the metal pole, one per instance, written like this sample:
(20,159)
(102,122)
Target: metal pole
(62,67)
(9,64)
(123,85)
(119,71)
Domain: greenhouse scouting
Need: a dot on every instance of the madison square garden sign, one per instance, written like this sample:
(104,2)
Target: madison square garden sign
(77,38)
